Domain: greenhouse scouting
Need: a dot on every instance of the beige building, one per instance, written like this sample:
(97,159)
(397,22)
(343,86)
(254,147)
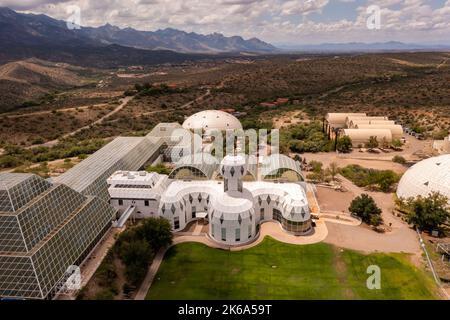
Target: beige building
(396,130)
(361,136)
(335,121)
(360,127)
(442,146)
(354,119)
(354,123)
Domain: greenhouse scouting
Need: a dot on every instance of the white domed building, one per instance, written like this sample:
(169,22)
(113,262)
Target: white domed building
(235,208)
(212,120)
(425,177)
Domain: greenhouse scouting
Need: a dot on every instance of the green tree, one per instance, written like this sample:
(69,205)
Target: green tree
(157,232)
(136,256)
(372,143)
(344,144)
(428,213)
(364,206)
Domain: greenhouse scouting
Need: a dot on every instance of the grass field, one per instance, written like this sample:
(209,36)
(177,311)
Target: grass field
(274,270)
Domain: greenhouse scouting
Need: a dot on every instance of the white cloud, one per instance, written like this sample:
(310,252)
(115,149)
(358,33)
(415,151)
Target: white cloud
(302,7)
(271,20)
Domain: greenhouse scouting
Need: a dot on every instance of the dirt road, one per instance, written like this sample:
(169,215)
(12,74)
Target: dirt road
(52,143)
(40,113)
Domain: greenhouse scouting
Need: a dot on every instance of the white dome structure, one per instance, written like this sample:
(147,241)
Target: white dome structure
(425,177)
(212,120)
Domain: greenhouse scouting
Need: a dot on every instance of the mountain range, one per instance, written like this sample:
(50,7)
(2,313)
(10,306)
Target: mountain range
(176,40)
(25,36)
(390,46)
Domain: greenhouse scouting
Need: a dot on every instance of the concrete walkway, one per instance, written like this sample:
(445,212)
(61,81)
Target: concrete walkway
(145,286)
(398,238)
(339,218)
(93,261)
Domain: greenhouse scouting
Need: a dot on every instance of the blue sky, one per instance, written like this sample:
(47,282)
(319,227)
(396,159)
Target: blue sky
(275,21)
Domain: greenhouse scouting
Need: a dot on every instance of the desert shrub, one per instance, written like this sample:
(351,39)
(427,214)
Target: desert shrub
(396,144)
(441,134)
(15,156)
(159,168)
(344,144)
(399,159)
(305,138)
(383,180)
(106,272)
(8,161)
(372,143)
(106,294)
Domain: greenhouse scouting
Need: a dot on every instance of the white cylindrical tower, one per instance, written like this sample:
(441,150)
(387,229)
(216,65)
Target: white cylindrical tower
(233,169)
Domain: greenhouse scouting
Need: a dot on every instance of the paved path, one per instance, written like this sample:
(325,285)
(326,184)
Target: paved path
(93,261)
(198,229)
(399,238)
(145,286)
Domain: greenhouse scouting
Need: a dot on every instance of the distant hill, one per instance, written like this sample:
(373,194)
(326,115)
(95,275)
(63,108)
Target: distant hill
(176,40)
(21,81)
(363,47)
(24,36)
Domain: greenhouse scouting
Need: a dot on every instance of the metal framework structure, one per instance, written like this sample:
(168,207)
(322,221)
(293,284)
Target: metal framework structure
(275,166)
(444,249)
(123,153)
(53,228)
(201,165)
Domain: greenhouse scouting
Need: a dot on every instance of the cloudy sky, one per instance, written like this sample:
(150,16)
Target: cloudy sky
(275,21)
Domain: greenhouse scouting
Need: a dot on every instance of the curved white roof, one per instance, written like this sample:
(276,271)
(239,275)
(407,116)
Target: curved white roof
(212,119)
(291,196)
(226,204)
(230,160)
(430,175)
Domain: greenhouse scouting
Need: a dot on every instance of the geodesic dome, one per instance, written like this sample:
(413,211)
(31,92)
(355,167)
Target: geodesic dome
(425,177)
(212,120)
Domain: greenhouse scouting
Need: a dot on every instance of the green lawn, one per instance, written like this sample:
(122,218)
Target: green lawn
(274,270)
